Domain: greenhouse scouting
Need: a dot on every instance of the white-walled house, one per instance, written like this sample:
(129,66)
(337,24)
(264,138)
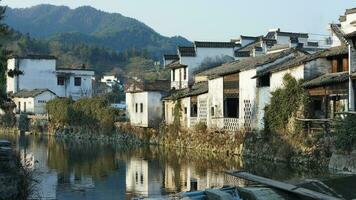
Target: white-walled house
(39,71)
(143,102)
(110,80)
(204,54)
(32,101)
(234,100)
(169,58)
(193,102)
(74,83)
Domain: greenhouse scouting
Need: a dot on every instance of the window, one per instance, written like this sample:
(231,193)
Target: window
(185,110)
(212,111)
(141,107)
(185,74)
(264,81)
(194,110)
(77,81)
(173,75)
(231,107)
(60,80)
(340,65)
(317,104)
(136,108)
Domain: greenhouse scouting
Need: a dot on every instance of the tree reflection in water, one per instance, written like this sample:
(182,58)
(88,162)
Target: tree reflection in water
(105,171)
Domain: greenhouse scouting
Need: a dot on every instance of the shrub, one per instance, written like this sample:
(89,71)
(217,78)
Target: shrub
(285,103)
(200,127)
(345,133)
(94,113)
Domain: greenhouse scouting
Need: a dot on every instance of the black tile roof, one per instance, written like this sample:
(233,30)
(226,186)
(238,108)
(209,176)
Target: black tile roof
(187,51)
(335,28)
(74,69)
(33,56)
(327,79)
(30,93)
(139,86)
(196,89)
(215,44)
(245,64)
(175,65)
(249,37)
(273,34)
(171,57)
(350,11)
(342,18)
(251,46)
(304,58)
(349,35)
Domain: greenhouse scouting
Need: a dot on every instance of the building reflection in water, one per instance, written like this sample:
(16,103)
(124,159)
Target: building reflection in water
(66,170)
(34,157)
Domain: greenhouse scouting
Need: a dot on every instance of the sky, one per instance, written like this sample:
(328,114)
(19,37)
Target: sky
(217,20)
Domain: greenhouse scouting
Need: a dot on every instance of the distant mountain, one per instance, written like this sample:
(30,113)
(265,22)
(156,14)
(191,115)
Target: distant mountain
(90,26)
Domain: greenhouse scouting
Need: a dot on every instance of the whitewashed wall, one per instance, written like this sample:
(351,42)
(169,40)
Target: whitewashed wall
(137,118)
(194,63)
(38,73)
(247,96)
(169,112)
(349,25)
(76,92)
(277,77)
(179,81)
(152,108)
(202,108)
(20,104)
(155,108)
(216,100)
(41,100)
(264,98)
(185,120)
(42,74)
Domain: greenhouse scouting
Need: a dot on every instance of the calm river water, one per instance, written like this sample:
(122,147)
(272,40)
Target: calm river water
(69,170)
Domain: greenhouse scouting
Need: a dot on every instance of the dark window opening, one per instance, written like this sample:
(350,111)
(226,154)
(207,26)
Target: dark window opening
(212,111)
(174,75)
(340,66)
(194,110)
(141,107)
(136,108)
(264,81)
(77,81)
(185,110)
(231,107)
(185,73)
(317,103)
(60,80)
(141,179)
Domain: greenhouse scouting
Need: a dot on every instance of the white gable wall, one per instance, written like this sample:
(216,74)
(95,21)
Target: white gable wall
(41,100)
(155,108)
(37,73)
(152,112)
(349,25)
(194,63)
(216,101)
(34,105)
(137,118)
(247,100)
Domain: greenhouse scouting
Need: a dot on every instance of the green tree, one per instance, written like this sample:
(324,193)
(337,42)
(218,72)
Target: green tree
(3,53)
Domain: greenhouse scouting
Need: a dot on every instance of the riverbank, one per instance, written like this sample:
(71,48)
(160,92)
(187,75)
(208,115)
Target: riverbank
(305,151)
(314,150)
